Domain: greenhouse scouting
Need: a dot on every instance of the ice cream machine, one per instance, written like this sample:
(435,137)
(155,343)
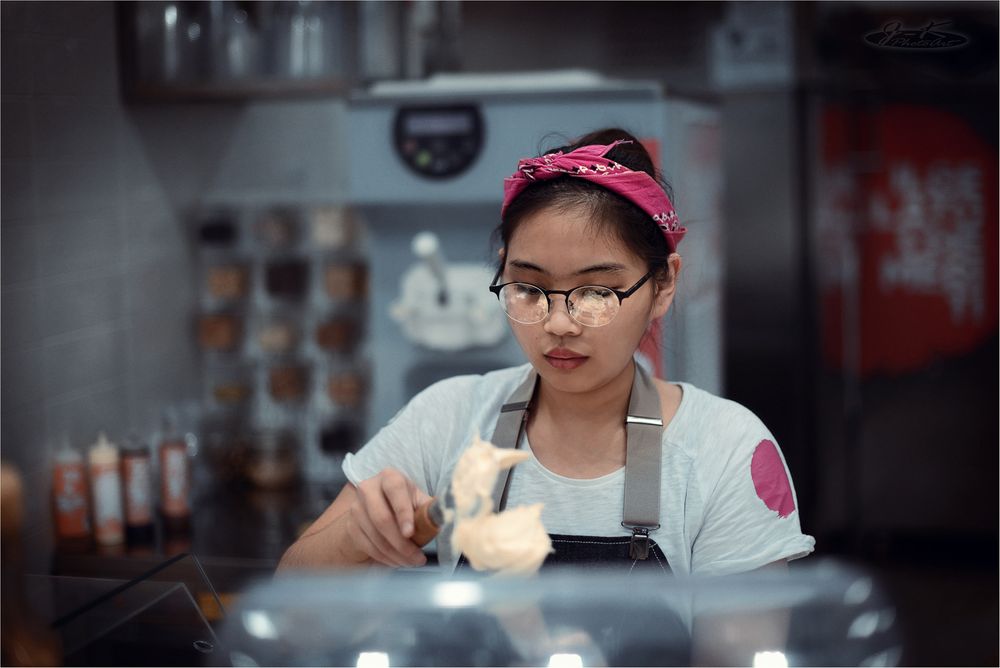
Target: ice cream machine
(427,162)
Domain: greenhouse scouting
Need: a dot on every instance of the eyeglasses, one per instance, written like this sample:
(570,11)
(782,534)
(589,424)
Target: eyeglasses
(589,305)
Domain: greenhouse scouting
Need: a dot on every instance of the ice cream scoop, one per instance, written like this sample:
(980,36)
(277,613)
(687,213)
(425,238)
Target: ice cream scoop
(430,517)
(471,488)
(510,542)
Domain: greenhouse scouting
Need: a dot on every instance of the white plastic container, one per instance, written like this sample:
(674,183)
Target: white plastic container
(106,484)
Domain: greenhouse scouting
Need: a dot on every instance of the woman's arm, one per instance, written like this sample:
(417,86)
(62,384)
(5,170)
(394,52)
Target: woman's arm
(365,525)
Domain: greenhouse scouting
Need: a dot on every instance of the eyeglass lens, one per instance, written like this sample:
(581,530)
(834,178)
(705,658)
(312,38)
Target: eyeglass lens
(592,306)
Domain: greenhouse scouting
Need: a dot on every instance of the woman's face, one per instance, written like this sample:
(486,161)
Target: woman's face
(556,249)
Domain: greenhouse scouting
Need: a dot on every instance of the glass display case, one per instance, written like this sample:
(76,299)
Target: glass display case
(824,613)
(162,617)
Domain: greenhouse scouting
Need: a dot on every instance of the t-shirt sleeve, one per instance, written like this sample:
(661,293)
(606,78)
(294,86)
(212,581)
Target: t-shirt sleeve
(750,514)
(417,440)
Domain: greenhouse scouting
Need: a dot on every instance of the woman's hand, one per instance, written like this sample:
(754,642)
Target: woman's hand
(381,519)
(370,523)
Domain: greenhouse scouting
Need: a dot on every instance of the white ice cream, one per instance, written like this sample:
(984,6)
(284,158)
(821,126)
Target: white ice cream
(511,542)
(476,473)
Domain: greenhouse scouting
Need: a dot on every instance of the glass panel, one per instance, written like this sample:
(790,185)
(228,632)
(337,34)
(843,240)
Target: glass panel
(159,618)
(823,614)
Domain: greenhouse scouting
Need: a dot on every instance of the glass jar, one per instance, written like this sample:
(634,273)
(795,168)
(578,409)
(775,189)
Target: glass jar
(272,459)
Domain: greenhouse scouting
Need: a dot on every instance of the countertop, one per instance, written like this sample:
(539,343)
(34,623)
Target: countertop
(237,532)
(159,598)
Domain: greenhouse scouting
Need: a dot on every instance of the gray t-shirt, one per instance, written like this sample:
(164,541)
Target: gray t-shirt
(727,504)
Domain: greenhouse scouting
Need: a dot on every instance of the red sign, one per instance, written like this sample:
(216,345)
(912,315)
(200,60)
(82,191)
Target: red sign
(906,237)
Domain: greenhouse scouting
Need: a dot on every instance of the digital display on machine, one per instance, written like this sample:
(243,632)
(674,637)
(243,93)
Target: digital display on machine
(438,141)
(426,124)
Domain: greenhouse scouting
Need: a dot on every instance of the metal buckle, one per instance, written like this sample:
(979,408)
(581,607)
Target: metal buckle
(638,547)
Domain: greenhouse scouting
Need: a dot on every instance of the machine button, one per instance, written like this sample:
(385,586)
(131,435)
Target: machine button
(423,159)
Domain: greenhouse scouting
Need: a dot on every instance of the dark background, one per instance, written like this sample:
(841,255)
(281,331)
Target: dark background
(894,470)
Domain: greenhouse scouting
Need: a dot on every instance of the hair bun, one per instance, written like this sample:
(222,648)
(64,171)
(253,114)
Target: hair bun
(632,154)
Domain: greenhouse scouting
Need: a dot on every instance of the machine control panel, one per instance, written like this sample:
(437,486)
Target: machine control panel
(438,141)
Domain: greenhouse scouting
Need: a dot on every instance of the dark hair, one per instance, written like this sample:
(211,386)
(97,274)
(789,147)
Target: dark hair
(608,212)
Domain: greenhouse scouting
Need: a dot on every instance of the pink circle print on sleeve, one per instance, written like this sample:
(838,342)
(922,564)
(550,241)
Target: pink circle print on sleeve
(770,480)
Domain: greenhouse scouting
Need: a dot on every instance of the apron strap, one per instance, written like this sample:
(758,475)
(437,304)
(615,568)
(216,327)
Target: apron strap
(643,462)
(643,453)
(510,427)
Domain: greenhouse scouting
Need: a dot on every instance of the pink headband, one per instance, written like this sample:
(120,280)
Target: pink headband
(589,163)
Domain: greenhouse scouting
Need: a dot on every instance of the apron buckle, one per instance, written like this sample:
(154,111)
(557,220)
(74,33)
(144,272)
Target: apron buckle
(638,547)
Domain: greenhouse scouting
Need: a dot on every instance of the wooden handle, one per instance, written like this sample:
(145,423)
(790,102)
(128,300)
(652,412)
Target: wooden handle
(424,528)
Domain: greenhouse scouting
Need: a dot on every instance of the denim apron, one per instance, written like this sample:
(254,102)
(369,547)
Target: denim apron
(641,510)
(641,515)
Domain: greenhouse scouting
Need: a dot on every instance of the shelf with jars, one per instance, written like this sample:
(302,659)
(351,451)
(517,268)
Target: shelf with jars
(280,321)
(227,50)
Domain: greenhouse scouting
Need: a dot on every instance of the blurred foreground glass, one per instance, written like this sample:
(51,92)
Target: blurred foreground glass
(816,614)
(161,617)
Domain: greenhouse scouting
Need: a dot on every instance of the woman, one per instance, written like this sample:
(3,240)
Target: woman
(632,470)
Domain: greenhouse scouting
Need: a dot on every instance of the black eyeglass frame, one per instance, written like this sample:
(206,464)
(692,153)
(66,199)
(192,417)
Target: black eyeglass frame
(621,294)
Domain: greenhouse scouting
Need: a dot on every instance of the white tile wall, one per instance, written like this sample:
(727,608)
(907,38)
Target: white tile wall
(18,254)
(17,182)
(81,300)
(76,64)
(74,187)
(174,149)
(76,246)
(81,415)
(19,314)
(24,446)
(78,242)
(80,20)
(15,58)
(140,177)
(305,135)
(82,359)
(68,127)
(15,141)
(153,235)
(98,284)
(23,381)
(157,290)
